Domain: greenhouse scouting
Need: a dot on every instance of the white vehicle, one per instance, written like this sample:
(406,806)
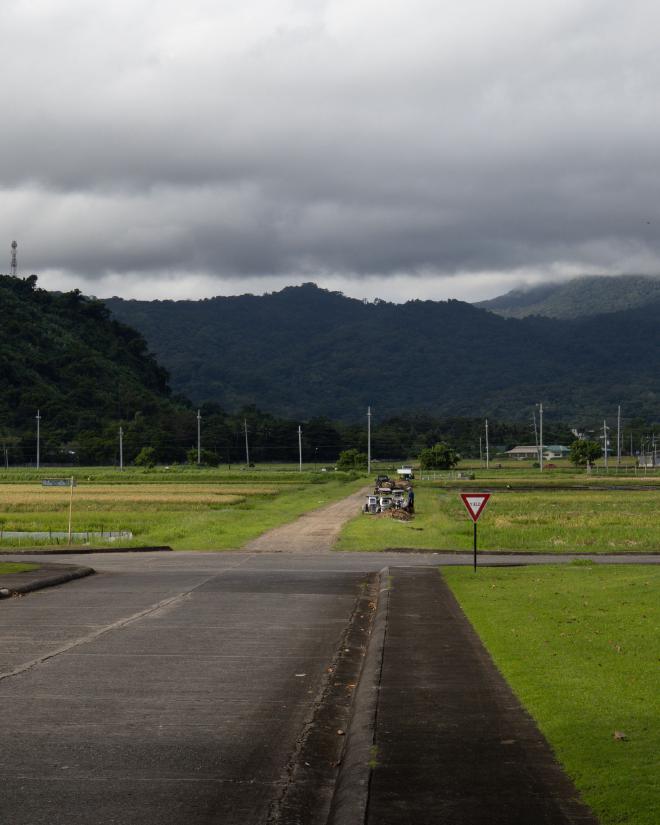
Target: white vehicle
(372,505)
(399,498)
(405,472)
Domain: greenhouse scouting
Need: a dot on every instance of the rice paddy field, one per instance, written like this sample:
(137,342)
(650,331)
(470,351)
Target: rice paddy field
(184,509)
(518,518)
(578,644)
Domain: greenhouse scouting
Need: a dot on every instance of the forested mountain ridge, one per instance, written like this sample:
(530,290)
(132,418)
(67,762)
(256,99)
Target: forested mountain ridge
(63,354)
(88,375)
(578,298)
(305,351)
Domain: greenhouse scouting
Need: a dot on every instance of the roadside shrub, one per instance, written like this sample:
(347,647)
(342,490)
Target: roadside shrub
(352,460)
(145,458)
(439,457)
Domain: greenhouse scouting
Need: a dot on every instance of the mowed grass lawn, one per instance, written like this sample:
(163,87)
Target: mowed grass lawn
(8,567)
(185,515)
(549,521)
(580,646)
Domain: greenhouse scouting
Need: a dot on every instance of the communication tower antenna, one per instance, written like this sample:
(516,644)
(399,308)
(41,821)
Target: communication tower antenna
(14,266)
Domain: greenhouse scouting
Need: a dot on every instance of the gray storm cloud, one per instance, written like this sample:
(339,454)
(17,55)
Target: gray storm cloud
(186,149)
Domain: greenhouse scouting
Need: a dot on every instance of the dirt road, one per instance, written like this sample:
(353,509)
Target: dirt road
(313,532)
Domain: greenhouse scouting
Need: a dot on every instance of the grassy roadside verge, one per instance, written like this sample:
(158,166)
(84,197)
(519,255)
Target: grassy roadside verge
(237,525)
(579,646)
(547,521)
(8,567)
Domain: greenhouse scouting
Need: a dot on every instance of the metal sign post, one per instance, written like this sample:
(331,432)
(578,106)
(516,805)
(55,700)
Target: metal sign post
(71,508)
(62,482)
(475,504)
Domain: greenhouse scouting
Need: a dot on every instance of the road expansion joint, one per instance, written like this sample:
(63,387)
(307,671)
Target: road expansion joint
(308,784)
(120,623)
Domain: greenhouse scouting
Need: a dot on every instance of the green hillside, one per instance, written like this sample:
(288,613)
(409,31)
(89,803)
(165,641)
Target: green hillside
(63,354)
(305,352)
(595,295)
(431,372)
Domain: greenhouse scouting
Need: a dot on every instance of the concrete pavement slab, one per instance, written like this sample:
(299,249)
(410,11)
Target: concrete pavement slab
(186,708)
(452,743)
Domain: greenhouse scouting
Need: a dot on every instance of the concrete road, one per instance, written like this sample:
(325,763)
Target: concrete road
(172,688)
(164,689)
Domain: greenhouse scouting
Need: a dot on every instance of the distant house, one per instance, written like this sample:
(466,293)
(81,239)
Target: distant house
(555,451)
(650,459)
(532,451)
(523,452)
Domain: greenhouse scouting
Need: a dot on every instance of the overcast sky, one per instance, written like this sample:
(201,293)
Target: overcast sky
(399,149)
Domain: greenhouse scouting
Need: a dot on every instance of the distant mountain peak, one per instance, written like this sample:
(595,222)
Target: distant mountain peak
(579,298)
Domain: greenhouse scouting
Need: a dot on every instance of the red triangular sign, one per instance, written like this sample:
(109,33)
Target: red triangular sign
(475,503)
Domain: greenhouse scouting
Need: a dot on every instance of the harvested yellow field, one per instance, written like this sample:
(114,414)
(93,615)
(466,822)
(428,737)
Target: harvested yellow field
(36,497)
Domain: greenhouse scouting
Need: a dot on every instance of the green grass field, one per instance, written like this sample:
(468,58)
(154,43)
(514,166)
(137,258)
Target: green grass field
(8,567)
(579,645)
(522,474)
(549,521)
(187,509)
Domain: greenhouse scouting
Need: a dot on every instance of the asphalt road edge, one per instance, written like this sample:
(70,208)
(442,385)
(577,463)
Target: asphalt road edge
(351,795)
(79,550)
(67,574)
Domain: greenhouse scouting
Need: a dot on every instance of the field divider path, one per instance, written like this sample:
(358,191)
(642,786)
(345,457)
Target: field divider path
(313,532)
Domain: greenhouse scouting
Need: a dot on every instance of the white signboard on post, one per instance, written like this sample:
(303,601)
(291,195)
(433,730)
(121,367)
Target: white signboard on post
(475,504)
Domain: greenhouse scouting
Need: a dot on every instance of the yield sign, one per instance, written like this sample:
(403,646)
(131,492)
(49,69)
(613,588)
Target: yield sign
(475,503)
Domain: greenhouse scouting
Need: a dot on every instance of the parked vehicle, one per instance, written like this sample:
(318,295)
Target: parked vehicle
(399,498)
(372,504)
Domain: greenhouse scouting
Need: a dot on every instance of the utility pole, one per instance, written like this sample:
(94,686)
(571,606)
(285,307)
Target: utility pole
(70,507)
(199,438)
(38,417)
(299,448)
(121,449)
(541,437)
(605,429)
(481,455)
(247,448)
(618,436)
(13,266)
(487,448)
(368,440)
